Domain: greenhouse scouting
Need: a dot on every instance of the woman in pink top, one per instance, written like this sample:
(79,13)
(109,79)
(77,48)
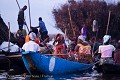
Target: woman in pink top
(106,50)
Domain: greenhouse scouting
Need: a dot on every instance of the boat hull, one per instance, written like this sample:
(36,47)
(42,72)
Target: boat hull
(42,64)
(108,68)
(111,68)
(13,60)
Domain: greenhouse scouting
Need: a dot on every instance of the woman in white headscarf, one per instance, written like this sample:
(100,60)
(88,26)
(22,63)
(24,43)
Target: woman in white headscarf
(31,45)
(83,50)
(106,50)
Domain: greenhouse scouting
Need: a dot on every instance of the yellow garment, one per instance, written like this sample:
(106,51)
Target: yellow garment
(21,33)
(84,49)
(84,53)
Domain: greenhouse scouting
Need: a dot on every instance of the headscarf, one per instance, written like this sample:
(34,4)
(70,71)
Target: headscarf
(83,31)
(32,36)
(81,37)
(106,38)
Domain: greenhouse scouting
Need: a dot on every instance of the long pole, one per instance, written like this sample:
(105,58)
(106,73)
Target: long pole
(71,20)
(108,22)
(18,4)
(8,36)
(94,43)
(29,13)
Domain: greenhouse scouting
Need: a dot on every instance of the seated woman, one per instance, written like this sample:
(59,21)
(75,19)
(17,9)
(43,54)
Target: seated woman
(20,36)
(27,38)
(106,50)
(83,50)
(60,47)
(31,45)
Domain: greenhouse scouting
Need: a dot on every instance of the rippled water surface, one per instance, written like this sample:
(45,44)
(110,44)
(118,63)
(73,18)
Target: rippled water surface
(79,76)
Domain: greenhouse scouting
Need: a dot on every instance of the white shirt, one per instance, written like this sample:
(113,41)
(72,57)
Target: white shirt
(31,46)
(106,50)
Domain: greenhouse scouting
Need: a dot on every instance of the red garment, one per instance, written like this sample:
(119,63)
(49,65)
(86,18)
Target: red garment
(59,48)
(117,56)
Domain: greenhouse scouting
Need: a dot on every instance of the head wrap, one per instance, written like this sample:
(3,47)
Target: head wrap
(81,37)
(106,38)
(32,36)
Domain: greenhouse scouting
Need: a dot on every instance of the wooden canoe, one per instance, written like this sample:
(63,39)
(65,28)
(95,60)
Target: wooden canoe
(38,63)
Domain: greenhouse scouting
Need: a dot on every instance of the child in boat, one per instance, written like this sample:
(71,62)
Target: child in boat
(106,50)
(83,50)
(60,47)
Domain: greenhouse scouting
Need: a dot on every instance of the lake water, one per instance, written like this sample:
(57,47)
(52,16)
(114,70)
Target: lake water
(79,76)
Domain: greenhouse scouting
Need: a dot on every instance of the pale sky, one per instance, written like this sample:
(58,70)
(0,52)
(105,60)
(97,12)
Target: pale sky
(39,8)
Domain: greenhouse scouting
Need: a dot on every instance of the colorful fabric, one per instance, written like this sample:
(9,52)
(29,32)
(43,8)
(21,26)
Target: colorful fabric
(59,48)
(84,49)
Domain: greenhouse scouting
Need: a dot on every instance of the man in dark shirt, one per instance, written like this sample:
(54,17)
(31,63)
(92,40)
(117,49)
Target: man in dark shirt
(21,19)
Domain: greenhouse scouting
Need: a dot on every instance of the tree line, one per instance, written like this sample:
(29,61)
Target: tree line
(71,16)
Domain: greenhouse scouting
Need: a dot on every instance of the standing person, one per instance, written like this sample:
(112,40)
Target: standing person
(106,50)
(20,19)
(42,29)
(31,45)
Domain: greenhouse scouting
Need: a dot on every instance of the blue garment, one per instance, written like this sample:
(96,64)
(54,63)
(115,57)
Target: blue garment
(42,26)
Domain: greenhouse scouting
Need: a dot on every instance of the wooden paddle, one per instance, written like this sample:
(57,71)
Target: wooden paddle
(56,54)
(20,55)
